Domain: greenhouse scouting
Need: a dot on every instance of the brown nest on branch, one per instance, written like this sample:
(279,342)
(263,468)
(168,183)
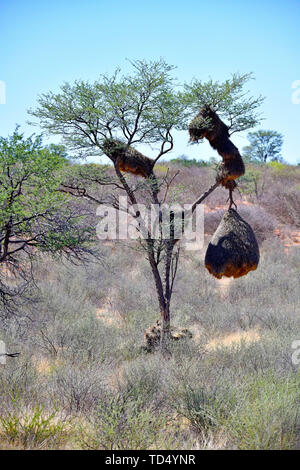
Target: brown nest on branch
(233,249)
(127,159)
(207,124)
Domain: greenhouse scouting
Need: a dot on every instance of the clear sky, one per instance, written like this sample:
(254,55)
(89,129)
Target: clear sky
(46,42)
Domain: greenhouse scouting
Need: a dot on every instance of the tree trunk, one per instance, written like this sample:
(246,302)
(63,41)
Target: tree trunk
(165,313)
(163,300)
(165,329)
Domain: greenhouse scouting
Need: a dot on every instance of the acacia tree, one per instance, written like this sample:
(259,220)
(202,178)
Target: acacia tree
(144,107)
(34,216)
(229,99)
(264,145)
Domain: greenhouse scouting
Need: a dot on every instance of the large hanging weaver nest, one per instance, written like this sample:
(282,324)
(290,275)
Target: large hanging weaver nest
(233,249)
(207,124)
(127,158)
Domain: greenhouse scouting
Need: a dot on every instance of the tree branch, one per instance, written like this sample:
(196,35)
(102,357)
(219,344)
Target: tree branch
(204,195)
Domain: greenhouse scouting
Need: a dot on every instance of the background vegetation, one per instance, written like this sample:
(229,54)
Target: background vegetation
(82,379)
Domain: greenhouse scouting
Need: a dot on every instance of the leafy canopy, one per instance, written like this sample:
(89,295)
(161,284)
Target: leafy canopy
(264,145)
(28,177)
(228,99)
(33,212)
(139,107)
(144,106)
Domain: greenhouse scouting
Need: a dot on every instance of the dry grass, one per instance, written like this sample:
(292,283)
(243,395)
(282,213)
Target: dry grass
(233,385)
(233,339)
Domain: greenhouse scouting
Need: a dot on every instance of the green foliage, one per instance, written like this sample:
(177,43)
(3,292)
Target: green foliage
(268,416)
(31,429)
(189,162)
(59,150)
(264,145)
(252,182)
(33,210)
(227,98)
(88,175)
(161,168)
(278,166)
(284,172)
(138,107)
(203,409)
(34,214)
(28,179)
(144,106)
(120,424)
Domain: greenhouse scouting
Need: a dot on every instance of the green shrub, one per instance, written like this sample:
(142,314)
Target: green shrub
(31,428)
(120,424)
(268,416)
(190,162)
(205,405)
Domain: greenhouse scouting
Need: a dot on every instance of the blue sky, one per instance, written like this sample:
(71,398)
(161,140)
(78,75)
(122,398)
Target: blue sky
(44,43)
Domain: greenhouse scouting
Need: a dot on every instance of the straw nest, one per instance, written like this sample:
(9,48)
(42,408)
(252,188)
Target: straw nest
(207,124)
(233,249)
(127,158)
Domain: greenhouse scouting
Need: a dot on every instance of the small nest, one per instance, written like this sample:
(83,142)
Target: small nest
(152,335)
(233,249)
(128,159)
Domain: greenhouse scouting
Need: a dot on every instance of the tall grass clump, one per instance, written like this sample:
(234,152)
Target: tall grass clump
(268,415)
(121,424)
(31,428)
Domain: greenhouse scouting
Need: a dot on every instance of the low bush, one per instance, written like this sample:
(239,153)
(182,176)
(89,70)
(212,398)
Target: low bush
(32,428)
